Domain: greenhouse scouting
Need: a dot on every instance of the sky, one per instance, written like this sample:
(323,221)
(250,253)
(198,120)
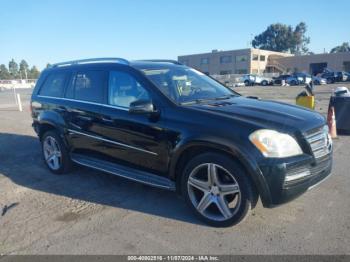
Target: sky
(42,31)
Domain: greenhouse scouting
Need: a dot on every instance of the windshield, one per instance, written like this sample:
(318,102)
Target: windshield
(186,85)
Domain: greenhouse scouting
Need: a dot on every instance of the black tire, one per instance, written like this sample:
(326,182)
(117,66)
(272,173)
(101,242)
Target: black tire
(246,83)
(247,195)
(293,83)
(264,83)
(66,164)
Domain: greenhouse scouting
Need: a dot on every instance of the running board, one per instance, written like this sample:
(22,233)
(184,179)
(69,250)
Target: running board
(125,172)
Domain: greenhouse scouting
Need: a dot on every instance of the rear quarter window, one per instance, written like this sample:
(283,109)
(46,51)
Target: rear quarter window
(54,84)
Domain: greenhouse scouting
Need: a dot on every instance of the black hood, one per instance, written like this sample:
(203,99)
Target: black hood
(265,113)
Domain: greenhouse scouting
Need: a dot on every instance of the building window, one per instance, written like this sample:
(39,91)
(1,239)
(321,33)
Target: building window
(262,58)
(255,57)
(241,71)
(241,58)
(225,59)
(225,72)
(346,66)
(204,61)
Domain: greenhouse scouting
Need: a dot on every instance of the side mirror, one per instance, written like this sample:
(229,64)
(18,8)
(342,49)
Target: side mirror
(142,107)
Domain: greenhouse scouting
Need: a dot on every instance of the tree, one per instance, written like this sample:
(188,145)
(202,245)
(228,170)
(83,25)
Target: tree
(13,68)
(300,40)
(345,47)
(33,73)
(4,72)
(283,38)
(23,69)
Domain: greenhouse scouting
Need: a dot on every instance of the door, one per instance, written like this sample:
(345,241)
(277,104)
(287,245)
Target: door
(134,140)
(84,97)
(316,68)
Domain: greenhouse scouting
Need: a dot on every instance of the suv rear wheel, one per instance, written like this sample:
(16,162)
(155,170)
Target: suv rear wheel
(55,153)
(217,189)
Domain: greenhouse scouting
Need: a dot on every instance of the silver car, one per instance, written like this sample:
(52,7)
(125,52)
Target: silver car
(317,80)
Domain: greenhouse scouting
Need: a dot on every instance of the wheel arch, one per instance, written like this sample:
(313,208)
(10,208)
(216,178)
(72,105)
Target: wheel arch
(49,120)
(249,165)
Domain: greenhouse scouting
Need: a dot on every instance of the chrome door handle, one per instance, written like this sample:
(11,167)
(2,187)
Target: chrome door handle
(86,118)
(107,119)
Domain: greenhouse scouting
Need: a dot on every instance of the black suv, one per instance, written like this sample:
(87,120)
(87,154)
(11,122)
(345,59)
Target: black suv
(167,125)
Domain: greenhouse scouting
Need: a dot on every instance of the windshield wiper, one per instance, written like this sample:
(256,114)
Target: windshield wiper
(197,101)
(224,97)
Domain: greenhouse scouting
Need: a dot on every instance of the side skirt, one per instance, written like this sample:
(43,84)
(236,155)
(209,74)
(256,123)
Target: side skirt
(125,172)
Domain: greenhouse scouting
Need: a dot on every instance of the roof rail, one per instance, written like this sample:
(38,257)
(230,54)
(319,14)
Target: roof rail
(93,60)
(161,60)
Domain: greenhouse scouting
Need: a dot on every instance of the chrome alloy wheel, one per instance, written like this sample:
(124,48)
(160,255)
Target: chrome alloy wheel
(52,153)
(214,191)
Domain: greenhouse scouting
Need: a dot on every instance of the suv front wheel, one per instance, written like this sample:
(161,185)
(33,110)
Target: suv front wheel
(55,153)
(217,189)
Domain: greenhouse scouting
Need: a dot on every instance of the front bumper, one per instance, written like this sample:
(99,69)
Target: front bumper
(289,178)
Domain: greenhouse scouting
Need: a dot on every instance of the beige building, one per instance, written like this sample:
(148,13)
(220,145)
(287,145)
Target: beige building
(257,61)
(243,61)
(313,64)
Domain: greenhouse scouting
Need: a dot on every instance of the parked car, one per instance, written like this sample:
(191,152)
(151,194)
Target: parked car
(317,80)
(250,80)
(330,77)
(290,80)
(303,78)
(342,76)
(167,125)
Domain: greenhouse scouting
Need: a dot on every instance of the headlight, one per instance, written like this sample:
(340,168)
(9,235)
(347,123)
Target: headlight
(274,144)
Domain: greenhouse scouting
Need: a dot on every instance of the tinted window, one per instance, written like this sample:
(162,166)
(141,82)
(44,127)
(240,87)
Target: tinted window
(205,61)
(124,89)
(88,86)
(225,59)
(241,58)
(54,85)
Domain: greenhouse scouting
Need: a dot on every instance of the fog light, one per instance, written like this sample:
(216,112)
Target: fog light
(295,176)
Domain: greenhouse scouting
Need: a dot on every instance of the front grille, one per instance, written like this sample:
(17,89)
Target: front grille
(319,141)
(321,148)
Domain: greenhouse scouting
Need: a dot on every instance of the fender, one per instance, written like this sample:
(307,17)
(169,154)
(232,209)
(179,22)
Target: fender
(53,119)
(244,157)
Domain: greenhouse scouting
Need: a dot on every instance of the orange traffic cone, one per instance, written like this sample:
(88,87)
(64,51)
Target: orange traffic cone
(332,126)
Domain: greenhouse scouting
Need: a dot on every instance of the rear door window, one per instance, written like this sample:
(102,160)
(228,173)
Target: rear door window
(54,84)
(88,86)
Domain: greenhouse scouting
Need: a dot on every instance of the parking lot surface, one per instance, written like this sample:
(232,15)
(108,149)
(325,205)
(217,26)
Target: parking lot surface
(89,212)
